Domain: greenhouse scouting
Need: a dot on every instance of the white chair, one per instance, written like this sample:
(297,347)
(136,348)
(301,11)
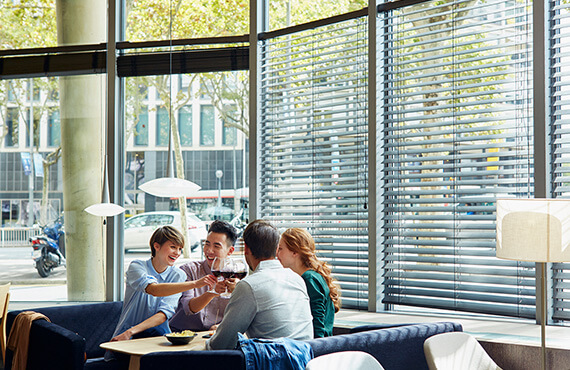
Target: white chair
(354,360)
(456,350)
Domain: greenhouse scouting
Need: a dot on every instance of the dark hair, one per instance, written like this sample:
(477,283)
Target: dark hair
(164,234)
(262,239)
(301,242)
(223,227)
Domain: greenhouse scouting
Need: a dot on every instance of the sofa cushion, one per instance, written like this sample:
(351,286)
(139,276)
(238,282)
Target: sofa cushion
(395,348)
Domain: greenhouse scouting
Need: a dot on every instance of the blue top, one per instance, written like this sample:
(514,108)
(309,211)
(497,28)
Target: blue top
(139,305)
(322,307)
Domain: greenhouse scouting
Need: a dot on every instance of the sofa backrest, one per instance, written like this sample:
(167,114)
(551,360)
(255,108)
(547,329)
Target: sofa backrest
(95,322)
(398,348)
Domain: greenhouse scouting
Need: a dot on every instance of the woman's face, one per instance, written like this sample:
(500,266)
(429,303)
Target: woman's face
(166,254)
(285,255)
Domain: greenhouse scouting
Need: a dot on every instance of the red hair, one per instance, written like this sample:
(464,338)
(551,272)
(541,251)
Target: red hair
(301,242)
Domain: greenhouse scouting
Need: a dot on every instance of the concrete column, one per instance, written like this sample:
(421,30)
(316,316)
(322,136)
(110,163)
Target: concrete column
(82,120)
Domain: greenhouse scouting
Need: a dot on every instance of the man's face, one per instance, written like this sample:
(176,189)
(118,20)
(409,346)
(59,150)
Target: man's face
(217,245)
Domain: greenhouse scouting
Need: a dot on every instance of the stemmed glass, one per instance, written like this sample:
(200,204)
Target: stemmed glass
(227,272)
(218,266)
(240,268)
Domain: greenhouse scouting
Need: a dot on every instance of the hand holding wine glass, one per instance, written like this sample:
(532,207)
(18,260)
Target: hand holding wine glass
(217,266)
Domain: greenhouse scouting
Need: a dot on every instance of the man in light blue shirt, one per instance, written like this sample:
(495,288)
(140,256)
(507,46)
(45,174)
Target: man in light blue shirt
(270,303)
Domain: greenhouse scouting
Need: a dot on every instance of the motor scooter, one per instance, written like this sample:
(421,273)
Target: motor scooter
(49,249)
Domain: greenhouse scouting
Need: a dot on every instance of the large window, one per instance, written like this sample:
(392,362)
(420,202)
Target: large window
(455,135)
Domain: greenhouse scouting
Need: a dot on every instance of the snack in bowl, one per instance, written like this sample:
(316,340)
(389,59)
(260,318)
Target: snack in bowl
(182,337)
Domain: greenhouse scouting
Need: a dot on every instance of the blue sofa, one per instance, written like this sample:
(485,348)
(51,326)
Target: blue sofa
(396,348)
(71,340)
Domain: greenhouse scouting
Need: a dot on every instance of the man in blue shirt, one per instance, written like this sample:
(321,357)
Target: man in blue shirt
(270,303)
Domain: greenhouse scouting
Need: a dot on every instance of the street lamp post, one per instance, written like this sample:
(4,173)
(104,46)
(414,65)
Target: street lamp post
(219,174)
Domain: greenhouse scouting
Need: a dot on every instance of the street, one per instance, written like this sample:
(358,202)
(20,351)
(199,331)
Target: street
(18,268)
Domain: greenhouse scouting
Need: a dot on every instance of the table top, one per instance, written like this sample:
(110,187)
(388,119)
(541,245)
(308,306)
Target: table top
(143,346)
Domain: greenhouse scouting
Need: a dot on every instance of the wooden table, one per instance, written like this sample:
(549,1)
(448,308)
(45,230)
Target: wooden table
(138,347)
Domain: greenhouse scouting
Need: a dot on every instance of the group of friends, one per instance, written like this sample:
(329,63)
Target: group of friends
(289,292)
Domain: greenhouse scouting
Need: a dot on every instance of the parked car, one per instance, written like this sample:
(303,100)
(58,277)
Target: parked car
(139,228)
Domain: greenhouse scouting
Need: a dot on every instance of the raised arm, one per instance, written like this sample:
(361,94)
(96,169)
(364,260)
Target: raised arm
(166,289)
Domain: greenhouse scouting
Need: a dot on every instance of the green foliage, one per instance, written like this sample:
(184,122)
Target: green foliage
(27,24)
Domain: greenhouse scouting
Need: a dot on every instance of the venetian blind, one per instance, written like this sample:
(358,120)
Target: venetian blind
(313,140)
(455,101)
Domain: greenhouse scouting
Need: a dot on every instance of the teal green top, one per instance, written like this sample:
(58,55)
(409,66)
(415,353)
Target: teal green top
(322,307)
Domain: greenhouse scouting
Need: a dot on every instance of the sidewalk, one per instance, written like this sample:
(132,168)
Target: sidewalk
(28,286)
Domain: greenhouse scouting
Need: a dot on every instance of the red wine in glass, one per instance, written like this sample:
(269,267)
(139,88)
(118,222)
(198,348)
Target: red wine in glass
(240,275)
(217,273)
(227,274)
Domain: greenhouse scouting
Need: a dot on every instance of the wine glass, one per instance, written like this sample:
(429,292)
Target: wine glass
(227,272)
(235,268)
(240,268)
(218,265)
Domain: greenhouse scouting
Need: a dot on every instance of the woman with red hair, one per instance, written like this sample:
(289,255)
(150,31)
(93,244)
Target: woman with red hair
(297,251)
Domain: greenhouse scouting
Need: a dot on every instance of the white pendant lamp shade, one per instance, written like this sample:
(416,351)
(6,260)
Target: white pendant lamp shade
(105,209)
(170,187)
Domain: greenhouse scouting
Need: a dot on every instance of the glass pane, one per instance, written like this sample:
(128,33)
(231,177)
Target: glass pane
(201,158)
(285,13)
(36,187)
(32,24)
(185,19)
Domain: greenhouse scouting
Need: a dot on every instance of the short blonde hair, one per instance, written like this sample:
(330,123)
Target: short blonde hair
(164,234)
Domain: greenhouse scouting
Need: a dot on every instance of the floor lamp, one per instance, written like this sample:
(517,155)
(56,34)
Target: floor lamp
(534,230)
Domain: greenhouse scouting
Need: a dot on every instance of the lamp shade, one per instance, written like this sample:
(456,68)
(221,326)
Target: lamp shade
(534,230)
(105,209)
(170,187)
